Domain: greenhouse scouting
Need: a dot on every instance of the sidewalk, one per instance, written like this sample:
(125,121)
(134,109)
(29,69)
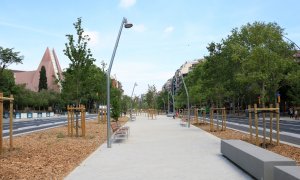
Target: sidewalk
(159,149)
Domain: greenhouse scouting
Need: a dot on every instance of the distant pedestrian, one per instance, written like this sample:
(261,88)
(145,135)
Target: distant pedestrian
(291,112)
(296,114)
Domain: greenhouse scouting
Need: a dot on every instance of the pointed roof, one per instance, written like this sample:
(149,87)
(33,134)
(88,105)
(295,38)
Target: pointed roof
(53,72)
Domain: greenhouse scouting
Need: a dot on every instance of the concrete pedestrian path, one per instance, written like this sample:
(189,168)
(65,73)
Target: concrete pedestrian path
(160,149)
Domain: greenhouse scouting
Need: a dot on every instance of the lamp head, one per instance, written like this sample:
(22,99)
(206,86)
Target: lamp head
(126,24)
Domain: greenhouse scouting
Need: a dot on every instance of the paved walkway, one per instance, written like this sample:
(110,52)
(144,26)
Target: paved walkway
(160,149)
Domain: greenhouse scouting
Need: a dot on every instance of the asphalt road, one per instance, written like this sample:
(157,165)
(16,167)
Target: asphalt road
(289,129)
(285,125)
(27,126)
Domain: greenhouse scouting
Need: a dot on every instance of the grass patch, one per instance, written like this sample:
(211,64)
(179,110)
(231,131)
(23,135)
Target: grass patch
(60,135)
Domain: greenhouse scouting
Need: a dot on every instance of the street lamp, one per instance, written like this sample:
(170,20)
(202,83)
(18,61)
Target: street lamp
(174,84)
(126,25)
(135,84)
(291,41)
(188,99)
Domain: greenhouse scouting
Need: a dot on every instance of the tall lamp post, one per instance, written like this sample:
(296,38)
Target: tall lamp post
(188,100)
(135,84)
(126,25)
(291,41)
(173,95)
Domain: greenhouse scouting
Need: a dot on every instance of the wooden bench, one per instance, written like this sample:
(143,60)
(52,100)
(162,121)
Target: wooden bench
(258,162)
(119,132)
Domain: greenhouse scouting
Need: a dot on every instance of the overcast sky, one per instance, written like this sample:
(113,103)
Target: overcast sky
(165,33)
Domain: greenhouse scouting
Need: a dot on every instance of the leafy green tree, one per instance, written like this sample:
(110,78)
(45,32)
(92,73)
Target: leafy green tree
(162,100)
(8,57)
(115,103)
(125,103)
(293,79)
(43,79)
(151,96)
(81,62)
(7,83)
(252,61)
(268,59)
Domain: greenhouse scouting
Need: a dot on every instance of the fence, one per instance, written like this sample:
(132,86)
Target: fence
(71,113)
(263,111)
(223,116)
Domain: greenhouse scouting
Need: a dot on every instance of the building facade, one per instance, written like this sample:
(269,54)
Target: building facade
(53,72)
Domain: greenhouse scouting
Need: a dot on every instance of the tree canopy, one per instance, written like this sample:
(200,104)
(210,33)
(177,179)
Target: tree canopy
(7,57)
(83,81)
(253,62)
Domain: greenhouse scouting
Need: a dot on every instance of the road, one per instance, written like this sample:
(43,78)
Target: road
(27,126)
(289,129)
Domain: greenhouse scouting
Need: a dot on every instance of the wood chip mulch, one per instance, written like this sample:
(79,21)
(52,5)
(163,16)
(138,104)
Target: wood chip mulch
(50,154)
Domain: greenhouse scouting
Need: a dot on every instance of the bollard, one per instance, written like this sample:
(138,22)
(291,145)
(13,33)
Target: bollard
(256,125)
(271,125)
(250,122)
(277,122)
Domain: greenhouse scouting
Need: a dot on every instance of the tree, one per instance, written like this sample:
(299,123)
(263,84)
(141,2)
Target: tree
(8,57)
(294,91)
(267,60)
(81,62)
(115,103)
(125,103)
(252,61)
(150,96)
(7,82)
(43,79)
(162,100)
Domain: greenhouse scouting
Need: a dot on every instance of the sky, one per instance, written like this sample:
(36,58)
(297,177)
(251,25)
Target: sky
(165,33)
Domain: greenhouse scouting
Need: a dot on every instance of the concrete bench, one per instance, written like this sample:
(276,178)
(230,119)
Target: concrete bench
(256,161)
(287,172)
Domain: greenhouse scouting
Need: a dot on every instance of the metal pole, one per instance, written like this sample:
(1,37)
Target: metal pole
(131,101)
(164,104)
(188,100)
(291,41)
(174,99)
(168,104)
(108,84)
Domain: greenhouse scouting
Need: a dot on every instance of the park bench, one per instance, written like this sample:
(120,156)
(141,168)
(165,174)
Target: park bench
(133,118)
(119,132)
(258,162)
(183,121)
(127,128)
